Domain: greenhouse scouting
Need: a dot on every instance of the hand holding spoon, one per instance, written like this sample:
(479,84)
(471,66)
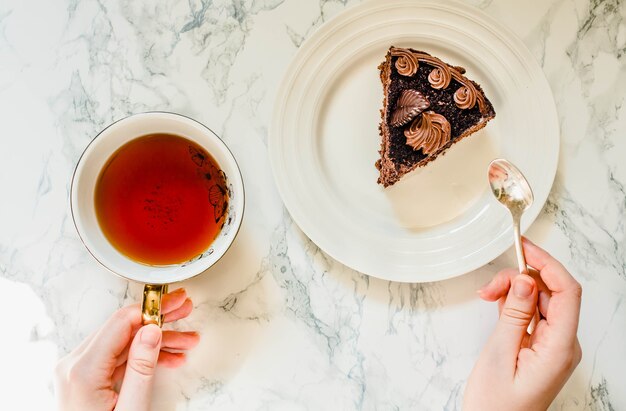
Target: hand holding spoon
(510,188)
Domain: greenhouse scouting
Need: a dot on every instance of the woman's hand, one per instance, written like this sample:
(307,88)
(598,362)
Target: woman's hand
(86,379)
(521,371)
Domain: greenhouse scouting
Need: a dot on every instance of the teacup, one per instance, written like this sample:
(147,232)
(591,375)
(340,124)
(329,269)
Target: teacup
(83,208)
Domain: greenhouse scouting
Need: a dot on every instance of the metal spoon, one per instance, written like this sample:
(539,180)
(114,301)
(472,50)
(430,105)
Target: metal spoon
(510,187)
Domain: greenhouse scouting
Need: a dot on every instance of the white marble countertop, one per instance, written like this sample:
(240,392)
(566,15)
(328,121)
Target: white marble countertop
(283,325)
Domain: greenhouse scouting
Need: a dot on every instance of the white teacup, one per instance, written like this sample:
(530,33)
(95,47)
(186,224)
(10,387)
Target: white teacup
(84,181)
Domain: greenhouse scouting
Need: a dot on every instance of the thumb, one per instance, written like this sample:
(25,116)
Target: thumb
(136,389)
(517,312)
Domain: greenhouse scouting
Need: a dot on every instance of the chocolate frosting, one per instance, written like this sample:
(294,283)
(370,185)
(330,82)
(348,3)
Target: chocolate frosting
(465,98)
(429,132)
(439,78)
(406,64)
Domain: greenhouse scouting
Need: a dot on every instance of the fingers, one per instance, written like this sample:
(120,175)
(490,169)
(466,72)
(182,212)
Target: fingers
(176,306)
(172,359)
(118,374)
(539,332)
(176,310)
(108,347)
(121,359)
(136,389)
(552,272)
(563,310)
(170,340)
(498,286)
(173,301)
(175,340)
(501,302)
(180,312)
(84,344)
(166,359)
(517,312)
(110,341)
(541,286)
(543,302)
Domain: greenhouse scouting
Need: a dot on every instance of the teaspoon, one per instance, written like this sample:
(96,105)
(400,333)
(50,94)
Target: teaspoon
(511,188)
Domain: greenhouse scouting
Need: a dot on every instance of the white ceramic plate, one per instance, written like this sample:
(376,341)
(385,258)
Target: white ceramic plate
(439,221)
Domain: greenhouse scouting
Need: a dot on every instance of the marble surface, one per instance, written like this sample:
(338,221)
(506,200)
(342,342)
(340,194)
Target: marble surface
(284,327)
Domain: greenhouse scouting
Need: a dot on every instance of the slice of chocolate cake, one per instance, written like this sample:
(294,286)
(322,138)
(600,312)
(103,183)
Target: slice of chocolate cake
(428,105)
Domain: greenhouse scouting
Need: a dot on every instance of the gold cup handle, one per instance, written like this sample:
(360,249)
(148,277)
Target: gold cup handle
(151,304)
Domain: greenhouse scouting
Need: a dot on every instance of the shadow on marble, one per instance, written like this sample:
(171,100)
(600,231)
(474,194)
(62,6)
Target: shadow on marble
(232,304)
(428,296)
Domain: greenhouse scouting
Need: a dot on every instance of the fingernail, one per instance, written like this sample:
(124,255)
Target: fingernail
(178,291)
(522,286)
(150,335)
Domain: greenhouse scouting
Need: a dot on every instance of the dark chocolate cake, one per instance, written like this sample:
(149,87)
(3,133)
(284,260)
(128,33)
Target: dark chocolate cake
(428,106)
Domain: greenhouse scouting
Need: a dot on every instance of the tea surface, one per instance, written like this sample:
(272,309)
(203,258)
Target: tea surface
(161,199)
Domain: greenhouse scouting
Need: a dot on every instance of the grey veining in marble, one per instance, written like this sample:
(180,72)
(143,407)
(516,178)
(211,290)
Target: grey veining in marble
(283,325)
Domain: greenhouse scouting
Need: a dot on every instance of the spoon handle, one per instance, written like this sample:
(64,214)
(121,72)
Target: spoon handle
(521,263)
(519,250)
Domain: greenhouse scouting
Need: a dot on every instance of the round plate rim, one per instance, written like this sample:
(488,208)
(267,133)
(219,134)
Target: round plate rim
(504,35)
